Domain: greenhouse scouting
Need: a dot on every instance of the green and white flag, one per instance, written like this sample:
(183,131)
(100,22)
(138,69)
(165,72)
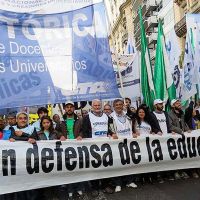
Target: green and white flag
(163,80)
(146,77)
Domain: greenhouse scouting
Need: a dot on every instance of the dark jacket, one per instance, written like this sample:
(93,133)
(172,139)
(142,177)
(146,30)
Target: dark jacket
(86,128)
(52,136)
(77,126)
(24,137)
(177,123)
(61,128)
(155,124)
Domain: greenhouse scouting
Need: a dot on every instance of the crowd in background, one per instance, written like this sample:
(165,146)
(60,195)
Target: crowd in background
(116,121)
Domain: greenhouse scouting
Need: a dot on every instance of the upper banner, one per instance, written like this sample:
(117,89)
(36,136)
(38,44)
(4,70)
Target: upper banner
(54,58)
(44,6)
(48,163)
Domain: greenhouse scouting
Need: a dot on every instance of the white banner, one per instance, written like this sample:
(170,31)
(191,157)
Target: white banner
(129,66)
(24,166)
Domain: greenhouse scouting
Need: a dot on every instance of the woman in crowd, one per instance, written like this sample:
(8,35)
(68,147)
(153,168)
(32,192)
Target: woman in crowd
(143,128)
(142,125)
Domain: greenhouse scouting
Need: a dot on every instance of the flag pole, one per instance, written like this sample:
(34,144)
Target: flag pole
(117,58)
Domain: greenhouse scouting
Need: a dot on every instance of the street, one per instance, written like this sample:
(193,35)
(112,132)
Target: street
(170,190)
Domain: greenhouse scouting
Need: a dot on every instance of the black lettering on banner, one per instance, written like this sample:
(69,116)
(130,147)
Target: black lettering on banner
(107,156)
(70,153)
(182,147)
(135,150)
(124,152)
(149,149)
(84,150)
(171,144)
(191,148)
(29,153)
(59,151)
(157,152)
(47,155)
(5,155)
(93,150)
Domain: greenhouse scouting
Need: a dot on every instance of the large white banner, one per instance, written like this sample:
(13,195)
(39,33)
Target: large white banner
(24,166)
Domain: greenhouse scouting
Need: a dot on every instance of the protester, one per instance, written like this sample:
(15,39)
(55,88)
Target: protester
(84,113)
(142,125)
(73,127)
(11,120)
(72,122)
(127,108)
(22,131)
(176,118)
(143,128)
(60,126)
(96,125)
(192,117)
(177,125)
(2,126)
(160,119)
(122,128)
(42,111)
(107,109)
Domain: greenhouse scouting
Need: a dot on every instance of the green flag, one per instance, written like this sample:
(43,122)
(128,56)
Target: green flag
(163,80)
(146,77)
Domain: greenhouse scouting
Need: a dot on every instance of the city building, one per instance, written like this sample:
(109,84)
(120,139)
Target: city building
(121,23)
(181,8)
(150,10)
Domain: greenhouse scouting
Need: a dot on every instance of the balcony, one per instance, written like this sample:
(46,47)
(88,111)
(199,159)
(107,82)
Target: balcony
(152,54)
(152,38)
(151,5)
(151,22)
(180,27)
(124,37)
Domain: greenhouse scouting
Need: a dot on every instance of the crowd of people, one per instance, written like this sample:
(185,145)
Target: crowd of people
(116,121)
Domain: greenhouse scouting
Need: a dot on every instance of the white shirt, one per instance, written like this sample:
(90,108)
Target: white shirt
(144,128)
(99,125)
(123,125)
(162,121)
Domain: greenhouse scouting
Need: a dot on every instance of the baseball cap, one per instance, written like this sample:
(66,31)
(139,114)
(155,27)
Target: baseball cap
(174,101)
(157,101)
(69,102)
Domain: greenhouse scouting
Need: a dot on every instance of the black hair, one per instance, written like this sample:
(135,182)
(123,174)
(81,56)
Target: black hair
(42,109)
(126,98)
(146,117)
(51,129)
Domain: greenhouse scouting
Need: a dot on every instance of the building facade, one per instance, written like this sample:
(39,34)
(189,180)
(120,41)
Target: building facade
(121,22)
(181,8)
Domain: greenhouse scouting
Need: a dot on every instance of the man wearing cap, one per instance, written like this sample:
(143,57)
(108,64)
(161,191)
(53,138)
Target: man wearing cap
(72,122)
(176,118)
(72,126)
(160,120)
(177,125)
(160,117)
